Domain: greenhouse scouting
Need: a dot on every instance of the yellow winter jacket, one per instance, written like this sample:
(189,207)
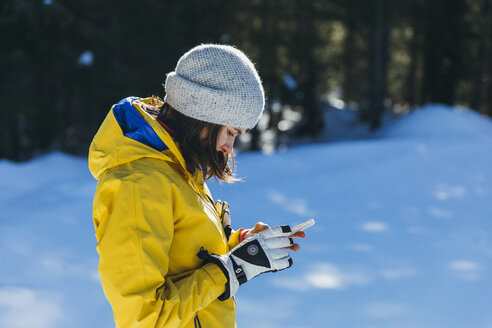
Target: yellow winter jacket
(151,218)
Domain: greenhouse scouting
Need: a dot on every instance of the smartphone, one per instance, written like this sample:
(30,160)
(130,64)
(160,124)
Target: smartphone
(303,226)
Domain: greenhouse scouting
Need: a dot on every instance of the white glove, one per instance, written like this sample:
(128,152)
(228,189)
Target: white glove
(263,252)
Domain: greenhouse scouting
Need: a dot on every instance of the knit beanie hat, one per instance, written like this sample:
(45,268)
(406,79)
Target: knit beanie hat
(216,84)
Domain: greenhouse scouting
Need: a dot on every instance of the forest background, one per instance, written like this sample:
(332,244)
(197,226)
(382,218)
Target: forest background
(64,63)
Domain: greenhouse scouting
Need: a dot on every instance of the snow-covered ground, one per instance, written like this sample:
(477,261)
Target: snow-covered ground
(403,235)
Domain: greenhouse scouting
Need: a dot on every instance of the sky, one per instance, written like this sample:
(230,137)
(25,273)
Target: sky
(403,234)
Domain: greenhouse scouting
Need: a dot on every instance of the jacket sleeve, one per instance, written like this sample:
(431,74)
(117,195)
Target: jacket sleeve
(134,228)
(234,238)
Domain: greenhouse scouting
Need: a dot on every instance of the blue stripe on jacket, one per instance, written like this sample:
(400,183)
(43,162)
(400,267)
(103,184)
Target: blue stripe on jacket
(134,125)
(197,322)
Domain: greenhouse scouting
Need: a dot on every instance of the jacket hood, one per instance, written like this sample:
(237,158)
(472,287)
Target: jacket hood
(128,134)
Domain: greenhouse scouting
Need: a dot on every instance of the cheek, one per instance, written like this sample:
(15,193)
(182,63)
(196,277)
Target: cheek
(221,140)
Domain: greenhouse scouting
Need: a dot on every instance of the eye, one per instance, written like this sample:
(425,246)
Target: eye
(230,133)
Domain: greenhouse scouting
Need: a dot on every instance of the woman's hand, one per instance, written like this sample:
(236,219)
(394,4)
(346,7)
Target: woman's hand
(260,226)
(225,216)
(224,213)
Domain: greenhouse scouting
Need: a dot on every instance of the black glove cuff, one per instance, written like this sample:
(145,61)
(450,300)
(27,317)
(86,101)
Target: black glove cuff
(207,258)
(228,231)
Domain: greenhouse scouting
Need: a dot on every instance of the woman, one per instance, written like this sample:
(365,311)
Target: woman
(168,257)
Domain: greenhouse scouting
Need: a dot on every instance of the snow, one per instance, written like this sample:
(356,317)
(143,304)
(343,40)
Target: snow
(290,82)
(86,58)
(440,122)
(403,235)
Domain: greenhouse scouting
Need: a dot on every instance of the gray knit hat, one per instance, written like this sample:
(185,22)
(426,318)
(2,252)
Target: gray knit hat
(216,84)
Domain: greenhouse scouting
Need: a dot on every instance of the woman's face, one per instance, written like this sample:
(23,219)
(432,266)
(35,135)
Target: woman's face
(226,137)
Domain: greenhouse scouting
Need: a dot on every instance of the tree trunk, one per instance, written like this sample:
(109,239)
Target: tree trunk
(487,65)
(379,56)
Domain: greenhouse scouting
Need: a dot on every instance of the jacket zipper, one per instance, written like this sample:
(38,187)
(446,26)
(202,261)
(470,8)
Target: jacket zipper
(210,207)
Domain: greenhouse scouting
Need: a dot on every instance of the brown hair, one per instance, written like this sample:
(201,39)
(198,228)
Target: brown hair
(197,156)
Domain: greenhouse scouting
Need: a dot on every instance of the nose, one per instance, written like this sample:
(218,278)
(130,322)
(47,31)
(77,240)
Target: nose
(226,148)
